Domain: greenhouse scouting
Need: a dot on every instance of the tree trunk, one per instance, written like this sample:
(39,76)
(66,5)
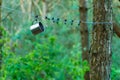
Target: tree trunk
(22,6)
(100,50)
(84,34)
(44,9)
(29,8)
(0,35)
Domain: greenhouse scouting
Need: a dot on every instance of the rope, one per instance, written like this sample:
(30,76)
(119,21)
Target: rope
(56,20)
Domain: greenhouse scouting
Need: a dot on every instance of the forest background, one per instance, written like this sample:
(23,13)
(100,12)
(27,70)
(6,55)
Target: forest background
(54,54)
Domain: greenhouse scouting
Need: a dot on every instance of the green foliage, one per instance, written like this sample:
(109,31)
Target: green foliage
(115,75)
(45,61)
(54,54)
(2,31)
(48,57)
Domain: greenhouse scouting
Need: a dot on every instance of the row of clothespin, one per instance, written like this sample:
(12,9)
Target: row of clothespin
(38,27)
(57,20)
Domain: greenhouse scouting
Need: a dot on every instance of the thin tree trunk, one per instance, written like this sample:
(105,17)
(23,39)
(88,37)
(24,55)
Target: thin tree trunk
(22,6)
(100,50)
(0,36)
(116,29)
(36,5)
(29,8)
(84,33)
(44,9)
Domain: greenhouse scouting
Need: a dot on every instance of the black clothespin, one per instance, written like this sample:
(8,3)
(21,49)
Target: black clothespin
(65,21)
(72,22)
(57,21)
(36,18)
(53,19)
(47,18)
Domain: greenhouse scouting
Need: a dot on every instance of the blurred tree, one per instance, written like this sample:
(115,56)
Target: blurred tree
(100,50)
(0,9)
(22,6)
(29,8)
(84,33)
(0,35)
(44,8)
(39,9)
(116,29)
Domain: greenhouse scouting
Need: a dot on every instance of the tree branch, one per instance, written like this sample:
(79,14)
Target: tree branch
(116,29)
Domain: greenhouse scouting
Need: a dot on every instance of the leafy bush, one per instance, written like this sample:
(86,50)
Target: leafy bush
(45,61)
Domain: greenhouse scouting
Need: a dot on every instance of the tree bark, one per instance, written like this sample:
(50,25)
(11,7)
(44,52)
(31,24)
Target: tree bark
(84,33)
(100,50)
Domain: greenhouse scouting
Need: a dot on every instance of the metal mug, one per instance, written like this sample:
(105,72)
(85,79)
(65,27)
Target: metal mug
(37,28)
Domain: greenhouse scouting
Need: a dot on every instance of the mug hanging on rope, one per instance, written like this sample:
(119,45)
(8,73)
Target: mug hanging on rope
(37,28)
